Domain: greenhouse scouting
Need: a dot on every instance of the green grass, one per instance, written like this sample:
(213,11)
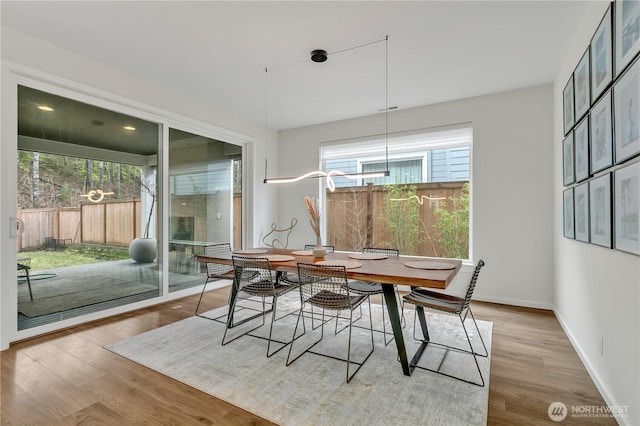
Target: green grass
(72,256)
(55,259)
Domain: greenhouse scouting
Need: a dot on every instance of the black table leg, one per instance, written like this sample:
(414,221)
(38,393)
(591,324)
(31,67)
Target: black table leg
(396,325)
(425,336)
(232,302)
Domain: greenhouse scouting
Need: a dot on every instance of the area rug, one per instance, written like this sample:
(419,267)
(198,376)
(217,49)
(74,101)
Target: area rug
(313,390)
(57,295)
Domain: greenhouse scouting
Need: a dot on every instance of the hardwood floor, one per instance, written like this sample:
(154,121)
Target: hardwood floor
(67,378)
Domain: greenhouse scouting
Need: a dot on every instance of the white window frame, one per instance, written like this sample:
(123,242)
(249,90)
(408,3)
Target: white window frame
(458,135)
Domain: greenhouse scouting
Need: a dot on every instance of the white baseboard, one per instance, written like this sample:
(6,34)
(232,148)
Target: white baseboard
(592,372)
(514,302)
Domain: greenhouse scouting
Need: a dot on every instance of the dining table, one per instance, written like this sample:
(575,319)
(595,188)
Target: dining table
(412,271)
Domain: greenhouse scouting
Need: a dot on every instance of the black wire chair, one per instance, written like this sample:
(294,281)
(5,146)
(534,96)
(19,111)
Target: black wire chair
(423,298)
(254,276)
(371,289)
(329,249)
(326,287)
(292,279)
(215,271)
(24,266)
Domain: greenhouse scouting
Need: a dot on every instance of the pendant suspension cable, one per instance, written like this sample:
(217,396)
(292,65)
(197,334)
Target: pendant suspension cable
(357,47)
(266,120)
(334,173)
(386,101)
(335,52)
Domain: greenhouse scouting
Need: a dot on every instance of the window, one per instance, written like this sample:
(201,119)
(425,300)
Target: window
(401,171)
(422,207)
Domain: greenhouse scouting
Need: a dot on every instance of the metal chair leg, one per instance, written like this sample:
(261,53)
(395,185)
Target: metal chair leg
(200,299)
(293,338)
(29,284)
(230,324)
(471,351)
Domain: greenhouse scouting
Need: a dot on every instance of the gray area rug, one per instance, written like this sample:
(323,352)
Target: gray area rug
(313,390)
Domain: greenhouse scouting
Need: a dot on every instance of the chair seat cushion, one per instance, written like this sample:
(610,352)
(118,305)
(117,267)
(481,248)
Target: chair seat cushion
(363,287)
(434,300)
(329,300)
(222,274)
(267,288)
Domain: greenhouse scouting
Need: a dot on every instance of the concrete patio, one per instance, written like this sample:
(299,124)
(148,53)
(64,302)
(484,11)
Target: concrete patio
(68,292)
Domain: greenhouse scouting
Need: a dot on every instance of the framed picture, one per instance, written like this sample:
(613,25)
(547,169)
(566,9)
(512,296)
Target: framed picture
(567,162)
(601,55)
(567,210)
(627,208)
(581,212)
(581,86)
(601,131)
(600,210)
(627,38)
(568,110)
(626,97)
(581,150)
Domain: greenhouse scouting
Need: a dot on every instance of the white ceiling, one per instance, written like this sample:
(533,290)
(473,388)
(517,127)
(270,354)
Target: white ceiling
(218,51)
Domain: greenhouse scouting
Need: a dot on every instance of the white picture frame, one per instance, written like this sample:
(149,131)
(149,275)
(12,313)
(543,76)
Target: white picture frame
(582,86)
(627,37)
(600,210)
(626,97)
(601,56)
(627,208)
(581,150)
(601,134)
(567,209)
(567,160)
(581,212)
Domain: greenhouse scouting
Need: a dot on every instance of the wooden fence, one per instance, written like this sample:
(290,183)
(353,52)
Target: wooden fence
(356,217)
(112,223)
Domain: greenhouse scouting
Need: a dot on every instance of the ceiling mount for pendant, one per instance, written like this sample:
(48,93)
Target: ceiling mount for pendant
(319,55)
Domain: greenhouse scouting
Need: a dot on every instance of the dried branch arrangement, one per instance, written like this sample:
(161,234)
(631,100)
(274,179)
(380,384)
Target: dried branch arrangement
(314,215)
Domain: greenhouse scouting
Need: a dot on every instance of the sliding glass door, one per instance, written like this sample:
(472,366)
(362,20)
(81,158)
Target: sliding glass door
(205,206)
(106,219)
(86,191)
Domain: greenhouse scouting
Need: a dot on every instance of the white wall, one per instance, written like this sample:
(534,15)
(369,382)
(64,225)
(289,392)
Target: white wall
(47,64)
(596,289)
(512,204)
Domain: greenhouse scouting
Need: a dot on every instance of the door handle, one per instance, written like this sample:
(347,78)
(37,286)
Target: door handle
(16,227)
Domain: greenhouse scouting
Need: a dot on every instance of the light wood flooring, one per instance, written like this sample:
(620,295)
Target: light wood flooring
(67,378)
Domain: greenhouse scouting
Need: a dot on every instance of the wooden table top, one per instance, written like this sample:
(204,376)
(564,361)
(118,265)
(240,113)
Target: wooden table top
(386,271)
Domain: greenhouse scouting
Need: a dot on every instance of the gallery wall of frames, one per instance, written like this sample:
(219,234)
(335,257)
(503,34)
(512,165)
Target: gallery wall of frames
(601,116)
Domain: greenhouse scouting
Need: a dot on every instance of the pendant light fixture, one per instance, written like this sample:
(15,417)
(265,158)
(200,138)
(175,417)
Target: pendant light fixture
(320,56)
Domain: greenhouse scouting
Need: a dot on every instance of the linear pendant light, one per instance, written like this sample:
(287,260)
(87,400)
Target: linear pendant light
(321,56)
